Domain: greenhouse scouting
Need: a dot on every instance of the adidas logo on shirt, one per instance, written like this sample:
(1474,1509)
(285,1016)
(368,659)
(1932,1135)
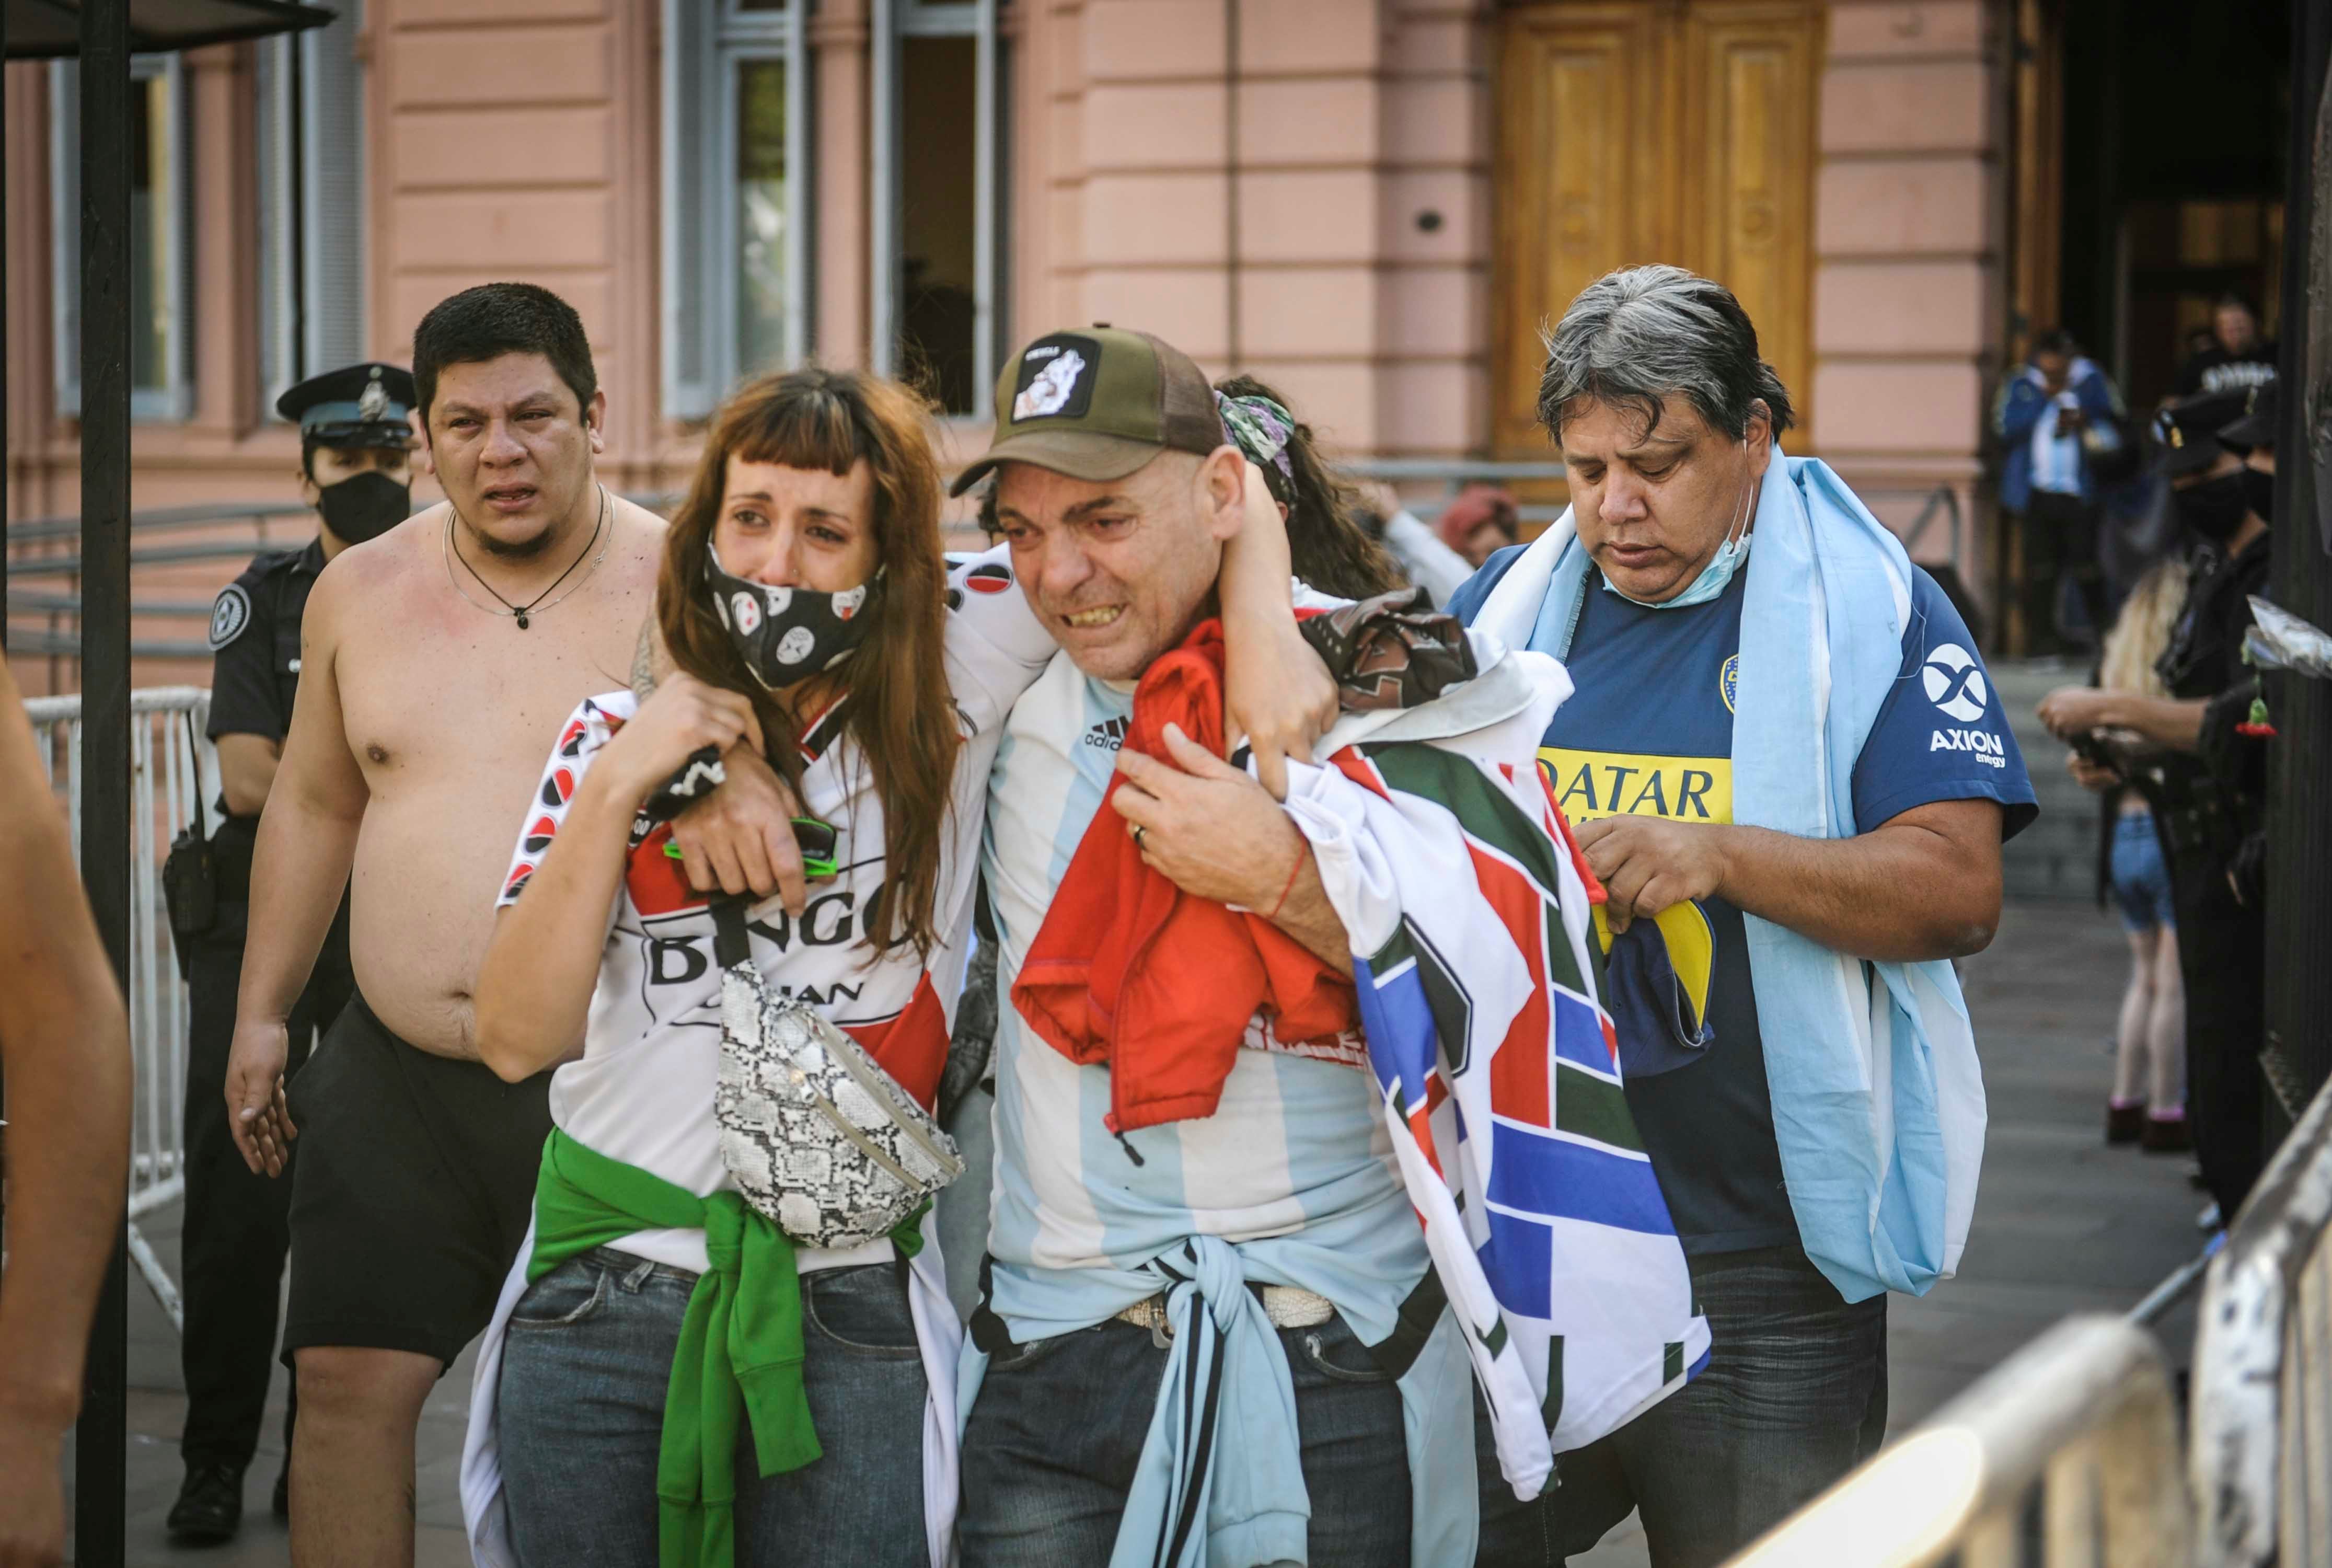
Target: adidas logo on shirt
(1109,735)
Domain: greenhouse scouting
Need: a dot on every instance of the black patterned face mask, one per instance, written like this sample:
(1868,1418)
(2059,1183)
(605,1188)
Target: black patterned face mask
(787,634)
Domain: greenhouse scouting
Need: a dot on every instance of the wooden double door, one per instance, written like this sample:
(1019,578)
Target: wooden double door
(1653,131)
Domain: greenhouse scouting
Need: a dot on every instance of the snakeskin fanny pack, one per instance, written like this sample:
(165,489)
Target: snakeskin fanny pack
(820,1140)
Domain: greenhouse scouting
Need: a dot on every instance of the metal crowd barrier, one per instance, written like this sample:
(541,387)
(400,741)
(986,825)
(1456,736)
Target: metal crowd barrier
(1454,477)
(2262,1438)
(42,549)
(1939,502)
(45,620)
(2066,1454)
(170,762)
(65,532)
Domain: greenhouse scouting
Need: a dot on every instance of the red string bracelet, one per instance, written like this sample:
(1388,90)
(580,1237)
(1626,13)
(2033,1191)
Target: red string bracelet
(1294,871)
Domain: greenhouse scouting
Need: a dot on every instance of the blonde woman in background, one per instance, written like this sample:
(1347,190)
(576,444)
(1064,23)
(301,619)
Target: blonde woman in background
(2148,1102)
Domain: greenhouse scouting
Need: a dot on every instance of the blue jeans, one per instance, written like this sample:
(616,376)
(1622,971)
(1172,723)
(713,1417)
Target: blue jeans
(1793,1397)
(1050,1451)
(582,1395)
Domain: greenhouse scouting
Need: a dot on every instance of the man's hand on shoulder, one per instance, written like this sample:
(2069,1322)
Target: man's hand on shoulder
(741,837)
(1216,834)
(1647,863)
(1209,827)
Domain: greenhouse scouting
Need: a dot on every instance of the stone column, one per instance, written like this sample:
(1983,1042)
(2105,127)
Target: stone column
(498,173)
(1149,230)
(1908,295)
(839,148)
(1316,113)
(1434,205)
(222,306)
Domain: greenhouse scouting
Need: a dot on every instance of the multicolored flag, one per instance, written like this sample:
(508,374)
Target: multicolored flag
(1467,911)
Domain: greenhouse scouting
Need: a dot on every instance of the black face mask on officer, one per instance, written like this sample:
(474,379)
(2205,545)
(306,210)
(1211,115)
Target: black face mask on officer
(787,634)
(2215,508)
(364,505)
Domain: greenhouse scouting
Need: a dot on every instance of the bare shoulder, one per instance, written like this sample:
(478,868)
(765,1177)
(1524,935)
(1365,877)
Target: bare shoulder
(631,517)
(639,533)
(636,549)
(370,582)
(362,577)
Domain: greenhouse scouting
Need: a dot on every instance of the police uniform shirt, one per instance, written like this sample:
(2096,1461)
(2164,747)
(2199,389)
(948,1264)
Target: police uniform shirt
(2206,653)
(256,644)
(2216,370)
(2204,659)
(256,622)
(1649,732)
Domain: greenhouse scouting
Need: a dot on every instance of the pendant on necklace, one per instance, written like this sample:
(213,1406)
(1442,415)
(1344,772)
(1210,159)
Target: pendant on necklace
(521,620)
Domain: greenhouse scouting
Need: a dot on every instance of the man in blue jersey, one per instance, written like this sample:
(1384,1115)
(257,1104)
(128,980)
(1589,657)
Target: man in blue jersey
(1792,775)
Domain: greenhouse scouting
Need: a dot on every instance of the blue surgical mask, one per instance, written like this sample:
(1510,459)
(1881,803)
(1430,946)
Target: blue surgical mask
(1718,572)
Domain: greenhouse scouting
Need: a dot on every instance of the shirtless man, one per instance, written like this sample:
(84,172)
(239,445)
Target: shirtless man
(438,663)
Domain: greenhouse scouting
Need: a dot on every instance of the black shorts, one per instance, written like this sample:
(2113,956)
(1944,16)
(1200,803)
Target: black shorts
(411,1194)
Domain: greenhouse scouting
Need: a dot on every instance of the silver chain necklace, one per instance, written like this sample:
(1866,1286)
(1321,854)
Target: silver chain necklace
(535,605)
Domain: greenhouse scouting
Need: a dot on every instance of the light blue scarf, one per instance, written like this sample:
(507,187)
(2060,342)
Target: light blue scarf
(1878,1100)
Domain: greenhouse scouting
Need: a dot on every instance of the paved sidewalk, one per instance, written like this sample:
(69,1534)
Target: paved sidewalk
(2063,1224)
(157,1409)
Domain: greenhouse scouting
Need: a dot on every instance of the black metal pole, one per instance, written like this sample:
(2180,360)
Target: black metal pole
(2297,1056)
(5,471)
(4,476)
(100,1458)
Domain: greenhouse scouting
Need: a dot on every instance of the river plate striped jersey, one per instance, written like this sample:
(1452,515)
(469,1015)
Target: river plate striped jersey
(1500,1079)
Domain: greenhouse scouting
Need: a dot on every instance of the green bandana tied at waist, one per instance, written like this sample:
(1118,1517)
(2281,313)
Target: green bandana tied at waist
(741,1345)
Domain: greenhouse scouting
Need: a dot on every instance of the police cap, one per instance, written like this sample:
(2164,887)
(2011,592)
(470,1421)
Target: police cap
(2186,434)
(2257,425)
(358,405)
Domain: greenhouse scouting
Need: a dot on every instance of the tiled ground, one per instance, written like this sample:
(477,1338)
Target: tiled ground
(2063,1224)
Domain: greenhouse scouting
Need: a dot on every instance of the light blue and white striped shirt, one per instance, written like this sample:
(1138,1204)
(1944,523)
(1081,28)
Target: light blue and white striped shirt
(1292,1182)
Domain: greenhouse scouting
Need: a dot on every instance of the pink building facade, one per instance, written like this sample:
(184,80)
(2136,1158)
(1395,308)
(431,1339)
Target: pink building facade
(1369,203)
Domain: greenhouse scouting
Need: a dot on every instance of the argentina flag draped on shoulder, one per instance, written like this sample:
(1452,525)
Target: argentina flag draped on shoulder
(1468,918)
(1878,1106)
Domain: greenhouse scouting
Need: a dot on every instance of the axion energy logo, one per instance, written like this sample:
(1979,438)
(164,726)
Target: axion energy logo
(1954,681)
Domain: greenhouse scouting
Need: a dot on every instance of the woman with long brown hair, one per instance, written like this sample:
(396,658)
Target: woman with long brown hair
(672,1377)
(1332,552)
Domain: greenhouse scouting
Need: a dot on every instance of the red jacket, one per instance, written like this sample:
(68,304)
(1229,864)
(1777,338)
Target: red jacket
(1129,971)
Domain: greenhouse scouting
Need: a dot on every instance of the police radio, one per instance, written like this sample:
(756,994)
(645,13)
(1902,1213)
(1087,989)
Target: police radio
(190,875)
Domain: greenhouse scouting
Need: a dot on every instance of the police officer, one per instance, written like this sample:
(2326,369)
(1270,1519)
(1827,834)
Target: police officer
(2218,452)
(2231,745)
(355,471)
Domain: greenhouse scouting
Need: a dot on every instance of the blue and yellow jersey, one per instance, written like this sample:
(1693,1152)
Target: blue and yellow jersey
(1649,732)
